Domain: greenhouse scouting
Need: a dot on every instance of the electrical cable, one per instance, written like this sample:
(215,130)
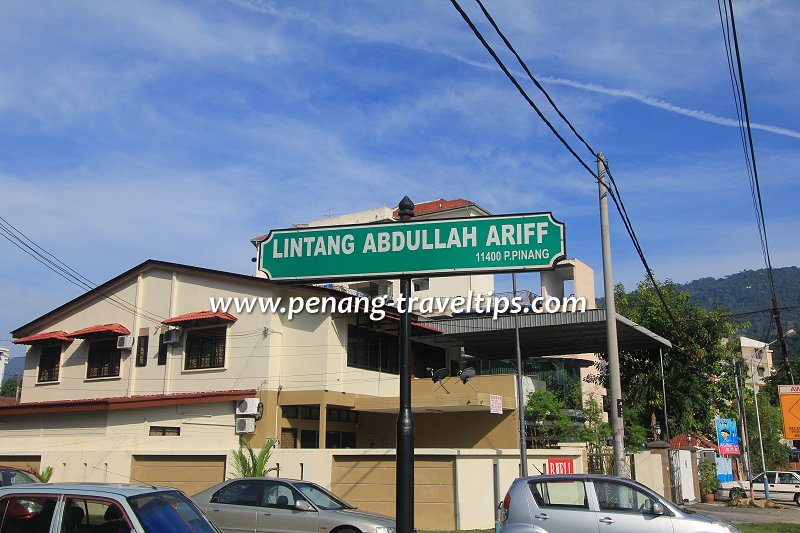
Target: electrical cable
(18,239)
(755,183)
(612,191)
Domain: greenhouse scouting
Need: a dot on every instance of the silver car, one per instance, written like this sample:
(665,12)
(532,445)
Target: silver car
(100,507)
(278,505)
(594,503)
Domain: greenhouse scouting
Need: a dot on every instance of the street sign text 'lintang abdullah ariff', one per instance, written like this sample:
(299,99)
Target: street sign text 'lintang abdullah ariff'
(505,243)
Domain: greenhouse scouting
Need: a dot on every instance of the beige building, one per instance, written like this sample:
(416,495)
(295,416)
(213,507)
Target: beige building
(757,358)
(141,380)
(158,374)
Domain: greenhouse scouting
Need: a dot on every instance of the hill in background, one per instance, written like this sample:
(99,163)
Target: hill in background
(746,296)
(748,292)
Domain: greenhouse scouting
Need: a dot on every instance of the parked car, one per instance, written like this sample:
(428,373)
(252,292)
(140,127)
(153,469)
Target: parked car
(284,506)
(584,502)
(783,485)
(10,475)
(100,507)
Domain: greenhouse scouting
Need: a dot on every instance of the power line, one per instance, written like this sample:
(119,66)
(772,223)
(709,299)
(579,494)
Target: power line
(16,237)
(613,192)
(755,187)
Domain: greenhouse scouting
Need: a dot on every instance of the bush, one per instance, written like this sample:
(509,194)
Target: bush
(246,463)
(709,484)
(738,492)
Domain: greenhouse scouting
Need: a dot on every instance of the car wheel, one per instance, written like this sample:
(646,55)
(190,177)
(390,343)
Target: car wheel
(731,495)
(797,499)
(347,530)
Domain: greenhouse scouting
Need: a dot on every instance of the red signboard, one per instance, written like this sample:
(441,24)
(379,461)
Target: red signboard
(560,466)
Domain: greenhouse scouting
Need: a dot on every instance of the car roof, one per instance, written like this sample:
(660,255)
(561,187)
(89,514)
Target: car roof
(118,489)
(286,479)
(596,477)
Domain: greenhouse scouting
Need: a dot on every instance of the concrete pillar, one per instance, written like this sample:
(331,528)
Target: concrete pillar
(323,424)
(661,448)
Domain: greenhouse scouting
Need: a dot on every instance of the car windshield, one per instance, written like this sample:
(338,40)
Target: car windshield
(12,476)
(321,497)
(169,511)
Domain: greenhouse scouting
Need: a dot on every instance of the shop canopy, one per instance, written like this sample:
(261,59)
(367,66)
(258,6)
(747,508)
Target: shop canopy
(543,334)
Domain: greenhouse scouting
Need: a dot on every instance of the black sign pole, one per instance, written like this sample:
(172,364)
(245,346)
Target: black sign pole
(405,423)
(405,417)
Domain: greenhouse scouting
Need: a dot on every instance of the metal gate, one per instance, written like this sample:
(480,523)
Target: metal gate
(675,477)
(603,463)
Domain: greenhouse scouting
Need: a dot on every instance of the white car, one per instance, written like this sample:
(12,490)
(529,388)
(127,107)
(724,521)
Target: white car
(783,486)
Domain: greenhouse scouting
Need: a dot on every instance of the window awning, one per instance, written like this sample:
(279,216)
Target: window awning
(45,338)
(199,318)
(99,331)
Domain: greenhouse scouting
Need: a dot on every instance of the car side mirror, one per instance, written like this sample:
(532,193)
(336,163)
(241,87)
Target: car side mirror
(214,499)
(658,509)
(303,505)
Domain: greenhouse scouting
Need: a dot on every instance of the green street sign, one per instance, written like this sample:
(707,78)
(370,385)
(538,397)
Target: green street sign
(505,243)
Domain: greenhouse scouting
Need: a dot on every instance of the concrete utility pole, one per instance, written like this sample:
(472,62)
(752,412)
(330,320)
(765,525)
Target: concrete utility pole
(523,454)
(745,443)
(614,383)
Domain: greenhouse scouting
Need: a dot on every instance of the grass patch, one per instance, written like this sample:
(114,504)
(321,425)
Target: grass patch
(472,531)
(744,528)
(768,528)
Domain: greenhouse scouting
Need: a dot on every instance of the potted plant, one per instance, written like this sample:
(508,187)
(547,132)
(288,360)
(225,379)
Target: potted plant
(709,484)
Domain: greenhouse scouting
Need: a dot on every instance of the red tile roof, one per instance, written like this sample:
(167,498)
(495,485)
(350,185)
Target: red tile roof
(7,400)
(100,330)
(688,439)
(127,402)
(41,338)
(434,206)
(200,316)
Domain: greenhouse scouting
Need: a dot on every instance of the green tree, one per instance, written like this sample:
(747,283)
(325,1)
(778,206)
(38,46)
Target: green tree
(246,463)
(697,368)
(776,454)
(595,431)
(635,433)
(9,387)
(545,410)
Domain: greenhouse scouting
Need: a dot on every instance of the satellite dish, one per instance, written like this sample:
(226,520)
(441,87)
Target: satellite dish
(439,375)
(466,375)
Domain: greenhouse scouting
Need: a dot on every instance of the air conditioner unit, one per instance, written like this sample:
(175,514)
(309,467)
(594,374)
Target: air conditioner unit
(248,406)
(245,425)
(125,342)
(172,336)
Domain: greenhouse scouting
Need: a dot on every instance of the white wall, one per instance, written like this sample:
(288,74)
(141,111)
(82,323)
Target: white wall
(98,445)
(649,471)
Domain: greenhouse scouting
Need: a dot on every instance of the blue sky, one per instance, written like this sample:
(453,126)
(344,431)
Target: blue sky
(179,130)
